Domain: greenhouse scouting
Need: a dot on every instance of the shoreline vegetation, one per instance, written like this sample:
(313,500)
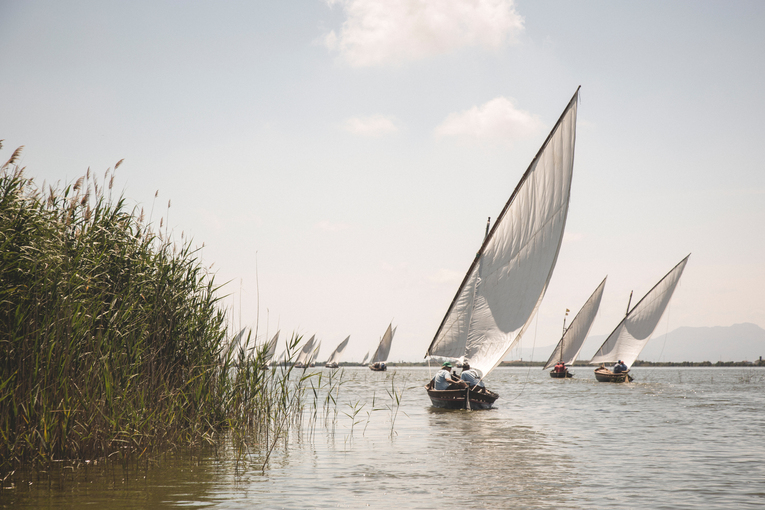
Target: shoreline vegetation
(114,341)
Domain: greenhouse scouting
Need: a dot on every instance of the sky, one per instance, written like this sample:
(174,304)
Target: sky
(337,160)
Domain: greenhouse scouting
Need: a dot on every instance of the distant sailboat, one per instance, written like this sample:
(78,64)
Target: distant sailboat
(268,358)
(302,360)
(314,354)
(567,350)
(634,331)
(380,357)
(366,356)
(334,358)
(508,278)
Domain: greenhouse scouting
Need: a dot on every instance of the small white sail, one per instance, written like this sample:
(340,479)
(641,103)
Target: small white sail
(381,354)
(314,353)
(271,348)
(571,343)
(365,358)
(305,352)
(233,344)
(505,284)
(335,356)
(634,331)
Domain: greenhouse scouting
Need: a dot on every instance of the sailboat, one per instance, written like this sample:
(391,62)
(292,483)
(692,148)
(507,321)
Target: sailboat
(302,360)
(567,350)
(270,350)
(364,361)
(507,280)
(380,357)
(634,331)
(314,354)
(334,358)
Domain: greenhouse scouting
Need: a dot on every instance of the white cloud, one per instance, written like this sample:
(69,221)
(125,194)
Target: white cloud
(375,125)
(331,227)
(379,32)
(497,119)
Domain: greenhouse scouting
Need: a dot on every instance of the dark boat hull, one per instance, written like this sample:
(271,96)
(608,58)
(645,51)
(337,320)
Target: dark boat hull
(455,399)
(605,375)
(561,375)
(374,367)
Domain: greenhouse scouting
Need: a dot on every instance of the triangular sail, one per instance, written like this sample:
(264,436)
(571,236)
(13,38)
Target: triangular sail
(305,352)
(633,333)
(381,354)
(509,276)
(335,356)
(271,348)
(365,358)
(571,343)
(315,352)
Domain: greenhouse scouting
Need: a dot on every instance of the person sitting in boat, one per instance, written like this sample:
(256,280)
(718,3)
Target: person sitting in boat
(619,367)
(470,376)
(559,367)
(444,380)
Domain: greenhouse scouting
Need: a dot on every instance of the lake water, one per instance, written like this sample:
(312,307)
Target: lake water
(675,438)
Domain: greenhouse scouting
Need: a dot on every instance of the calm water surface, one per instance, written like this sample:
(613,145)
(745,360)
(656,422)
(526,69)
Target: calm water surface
(674,438)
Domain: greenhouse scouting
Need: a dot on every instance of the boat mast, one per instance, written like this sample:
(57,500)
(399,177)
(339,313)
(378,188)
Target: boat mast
(563,335)
(629,303)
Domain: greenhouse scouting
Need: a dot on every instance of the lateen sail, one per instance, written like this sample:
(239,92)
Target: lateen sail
(305,352)
(509,276)
(315,352)
(571,343)
(365,358)
(335,356)
(271,348)
(633,333)
(381,354)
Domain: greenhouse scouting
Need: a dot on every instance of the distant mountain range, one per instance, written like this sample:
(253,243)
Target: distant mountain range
(739,342)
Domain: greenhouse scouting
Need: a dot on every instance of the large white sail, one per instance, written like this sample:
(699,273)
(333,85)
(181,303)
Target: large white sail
(633,333)
(335,356)
(572,340)
(381,354)
(306,351)
(509,276)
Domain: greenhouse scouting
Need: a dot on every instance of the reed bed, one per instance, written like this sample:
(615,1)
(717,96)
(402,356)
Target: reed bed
(114,343)
(112,337)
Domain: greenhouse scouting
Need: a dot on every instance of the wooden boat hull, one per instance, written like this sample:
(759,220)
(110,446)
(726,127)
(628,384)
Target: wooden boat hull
(378,368)
(455,399)
(331,365)
(605,375)
(561,375)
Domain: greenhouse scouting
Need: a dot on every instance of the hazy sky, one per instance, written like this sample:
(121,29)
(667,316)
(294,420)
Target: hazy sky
(355,148)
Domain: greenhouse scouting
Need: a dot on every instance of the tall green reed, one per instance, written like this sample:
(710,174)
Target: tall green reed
(113,340)
(111,335)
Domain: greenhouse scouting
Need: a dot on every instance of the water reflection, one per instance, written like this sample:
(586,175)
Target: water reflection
(498,461)
(689,438)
